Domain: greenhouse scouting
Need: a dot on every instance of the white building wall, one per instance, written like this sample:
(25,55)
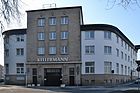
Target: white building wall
(12,59)
(99,57)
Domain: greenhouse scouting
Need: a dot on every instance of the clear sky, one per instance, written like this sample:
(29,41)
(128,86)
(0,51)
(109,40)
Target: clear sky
(94,12)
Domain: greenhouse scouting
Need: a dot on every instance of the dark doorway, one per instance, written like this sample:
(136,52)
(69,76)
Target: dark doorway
(35,80)
(52,76)
(71,76)
(71,80)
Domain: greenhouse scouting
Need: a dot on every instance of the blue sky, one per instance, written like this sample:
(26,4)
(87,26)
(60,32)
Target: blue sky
(94,12)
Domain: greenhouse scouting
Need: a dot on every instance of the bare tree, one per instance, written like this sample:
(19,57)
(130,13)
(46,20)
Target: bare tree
(124,3)
(9,9)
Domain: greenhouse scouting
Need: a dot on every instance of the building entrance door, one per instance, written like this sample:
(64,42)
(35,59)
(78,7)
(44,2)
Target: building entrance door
(71,80)
(71,77)
(52,76)
(35,80)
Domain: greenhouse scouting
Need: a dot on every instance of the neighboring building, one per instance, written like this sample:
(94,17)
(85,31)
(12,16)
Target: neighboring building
(1,72)
(108,56)
(15,56)
(57,48)
(53,46)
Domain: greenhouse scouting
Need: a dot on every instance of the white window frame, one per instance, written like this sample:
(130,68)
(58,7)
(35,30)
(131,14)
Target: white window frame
(52,20)
(41,36)
(52,35)
(64,20)
(41,22)
(52,50)
(41,51)
(64,50)
(90,49)
(19,51)
(121,69)
(125,70)
(64,35)
(117,50)
(121,55)
(117,68)
(20,68)
(107,50)
(89,67)
(107,67)
(107,35)
(89,35)
(20,38)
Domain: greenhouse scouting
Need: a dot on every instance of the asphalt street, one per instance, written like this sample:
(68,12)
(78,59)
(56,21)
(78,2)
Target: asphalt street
(67,89)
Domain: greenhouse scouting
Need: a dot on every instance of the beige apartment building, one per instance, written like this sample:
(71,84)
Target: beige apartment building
(53,46)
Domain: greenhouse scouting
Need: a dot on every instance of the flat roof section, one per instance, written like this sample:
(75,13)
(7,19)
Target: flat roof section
(15,32)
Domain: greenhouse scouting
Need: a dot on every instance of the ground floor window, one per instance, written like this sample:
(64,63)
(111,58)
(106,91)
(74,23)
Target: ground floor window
(20,68)
(107,67)
(89,67)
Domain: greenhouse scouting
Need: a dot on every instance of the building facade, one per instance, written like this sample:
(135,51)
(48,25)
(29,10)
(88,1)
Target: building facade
(15,56)
(57,48)
(108,56)
(53,46)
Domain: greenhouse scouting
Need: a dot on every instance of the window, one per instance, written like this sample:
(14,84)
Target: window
(34,71)
(122,69)
(52,21)
(121,42)
(125,57)
(20,68)
(6,39)
(125,70)
(89,49)
(7,52)
(52,35)
(128,48)
(89,67)
(108,50)
(117,68)
(71,71)
(117,50)
(129,71)
(117,38)
(7,68)
(89,35)
(121,54)
(41,51)
(41,22)
(64,50)
(107,34)
(64,35)
(52,50)
(19,38)
(20,51)
(107,67)
(41,36)
(125,45)
(64,20)
(128,58)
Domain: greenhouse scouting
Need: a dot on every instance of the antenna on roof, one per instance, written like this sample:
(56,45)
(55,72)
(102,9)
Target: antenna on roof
(53,5)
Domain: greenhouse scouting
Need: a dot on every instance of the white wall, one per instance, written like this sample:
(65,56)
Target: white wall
(12,59)
(99,42)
